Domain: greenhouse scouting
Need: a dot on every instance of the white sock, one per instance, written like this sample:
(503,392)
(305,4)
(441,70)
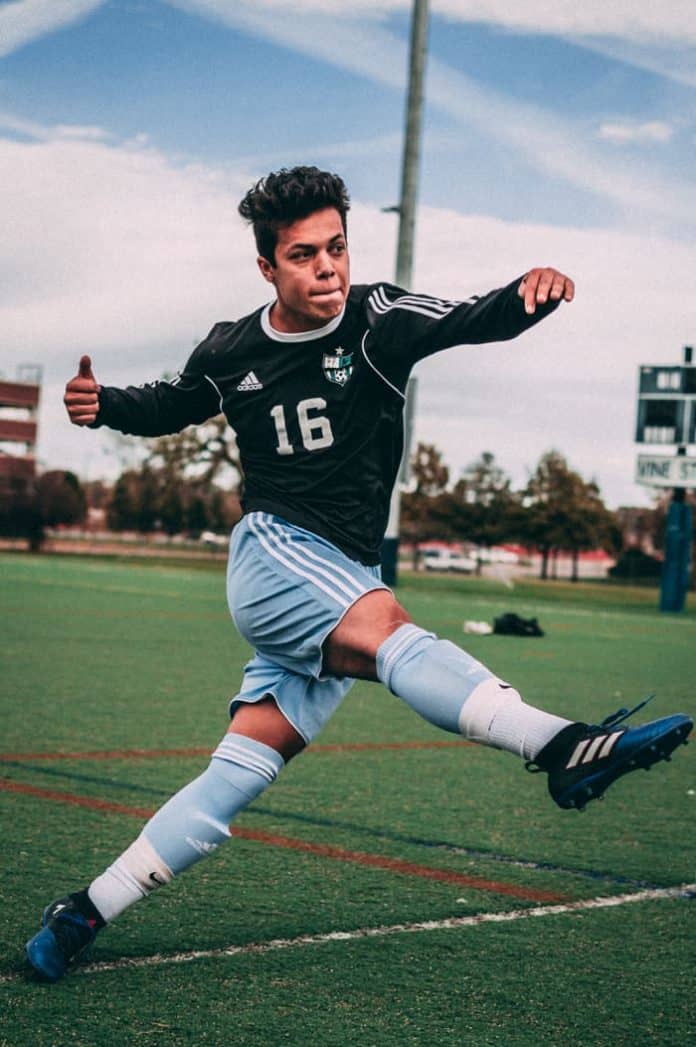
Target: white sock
(190,826)
(494,714)
(452,690)
(138,871)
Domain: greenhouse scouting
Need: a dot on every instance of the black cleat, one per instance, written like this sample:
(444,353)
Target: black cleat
(65,936)
(583,759)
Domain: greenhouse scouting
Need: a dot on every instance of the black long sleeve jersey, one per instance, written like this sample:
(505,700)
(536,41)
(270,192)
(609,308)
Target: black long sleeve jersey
(318,415)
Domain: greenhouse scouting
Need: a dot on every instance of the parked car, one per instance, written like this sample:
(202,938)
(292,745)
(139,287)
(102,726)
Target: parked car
(446,560)
(496,555)
(215,541)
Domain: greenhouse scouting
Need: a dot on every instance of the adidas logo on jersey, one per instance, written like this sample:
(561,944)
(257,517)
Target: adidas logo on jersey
(249,384)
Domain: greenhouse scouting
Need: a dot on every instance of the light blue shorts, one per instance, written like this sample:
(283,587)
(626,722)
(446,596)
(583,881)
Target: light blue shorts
(287,589)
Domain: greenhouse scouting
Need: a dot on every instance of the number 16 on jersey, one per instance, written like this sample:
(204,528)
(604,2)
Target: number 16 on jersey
(315,429)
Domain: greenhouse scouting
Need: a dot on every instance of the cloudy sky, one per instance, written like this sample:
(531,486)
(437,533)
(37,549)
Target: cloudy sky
(556,133)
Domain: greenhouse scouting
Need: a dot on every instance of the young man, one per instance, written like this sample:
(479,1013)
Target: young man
(314,386)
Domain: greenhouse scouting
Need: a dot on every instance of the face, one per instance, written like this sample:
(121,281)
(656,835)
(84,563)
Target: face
(311,274)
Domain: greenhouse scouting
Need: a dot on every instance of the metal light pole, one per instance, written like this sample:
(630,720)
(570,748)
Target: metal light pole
(676,568)
(404,254)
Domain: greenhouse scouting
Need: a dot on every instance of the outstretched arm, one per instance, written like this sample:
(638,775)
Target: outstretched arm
(154,409)
(406,327)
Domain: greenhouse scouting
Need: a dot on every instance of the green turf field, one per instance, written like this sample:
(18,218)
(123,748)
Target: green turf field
(334,897)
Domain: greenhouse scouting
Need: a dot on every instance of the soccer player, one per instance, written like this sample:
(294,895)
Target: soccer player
(313,384)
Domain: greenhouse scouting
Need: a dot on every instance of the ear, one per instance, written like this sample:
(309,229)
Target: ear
(267,270)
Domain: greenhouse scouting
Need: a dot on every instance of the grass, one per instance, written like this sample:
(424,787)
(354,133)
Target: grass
(110,657)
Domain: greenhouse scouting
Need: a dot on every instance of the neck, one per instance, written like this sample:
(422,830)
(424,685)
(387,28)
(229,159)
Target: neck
(287,321)
(296,334)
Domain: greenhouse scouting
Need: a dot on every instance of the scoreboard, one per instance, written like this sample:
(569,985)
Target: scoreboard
(667,415)
(667,403)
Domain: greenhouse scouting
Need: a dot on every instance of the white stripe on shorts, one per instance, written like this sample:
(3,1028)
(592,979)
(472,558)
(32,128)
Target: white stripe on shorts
(286,540)
(273,547)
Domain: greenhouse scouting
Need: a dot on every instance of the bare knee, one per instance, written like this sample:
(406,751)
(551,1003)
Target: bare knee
(351,649)
(264,722)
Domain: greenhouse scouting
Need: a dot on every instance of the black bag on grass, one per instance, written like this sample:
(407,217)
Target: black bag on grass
(512,625)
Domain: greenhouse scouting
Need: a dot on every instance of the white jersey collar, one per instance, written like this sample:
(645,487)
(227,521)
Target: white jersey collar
(297,336)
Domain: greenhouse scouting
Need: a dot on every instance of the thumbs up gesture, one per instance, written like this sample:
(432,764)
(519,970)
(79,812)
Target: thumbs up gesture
(82,395)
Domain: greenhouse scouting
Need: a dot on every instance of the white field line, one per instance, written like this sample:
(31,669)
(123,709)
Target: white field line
(452,923)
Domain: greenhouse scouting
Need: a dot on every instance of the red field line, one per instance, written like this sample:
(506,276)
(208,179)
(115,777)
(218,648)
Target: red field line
(374,861)
(377,861)
(367,746)
(75,801)
(109,754)
(151,754)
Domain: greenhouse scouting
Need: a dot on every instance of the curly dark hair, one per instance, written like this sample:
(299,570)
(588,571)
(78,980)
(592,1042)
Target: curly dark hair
(284,196)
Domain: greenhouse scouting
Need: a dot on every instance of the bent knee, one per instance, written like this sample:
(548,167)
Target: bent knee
(264,722)
(351,648)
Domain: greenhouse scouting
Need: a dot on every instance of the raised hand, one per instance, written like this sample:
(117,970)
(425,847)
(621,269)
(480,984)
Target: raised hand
(543,285)
(82,395)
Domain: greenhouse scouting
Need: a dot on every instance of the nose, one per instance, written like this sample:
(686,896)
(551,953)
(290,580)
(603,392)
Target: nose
(324,265)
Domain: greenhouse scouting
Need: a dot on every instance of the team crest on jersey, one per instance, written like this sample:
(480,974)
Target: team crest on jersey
(338,366)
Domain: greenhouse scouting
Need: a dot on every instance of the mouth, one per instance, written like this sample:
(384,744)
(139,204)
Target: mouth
(327,294)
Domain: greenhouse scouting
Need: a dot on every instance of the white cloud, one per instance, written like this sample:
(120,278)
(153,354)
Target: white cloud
(649,133)
(546,142)
(673,59)
(374,9)
(556,146)
(27,20)
(563,150)
(117,251)
(112,221)
(571,382)
(377,147)
(114,251)
(658,38)
(669,20)
(45,132)
(672,20)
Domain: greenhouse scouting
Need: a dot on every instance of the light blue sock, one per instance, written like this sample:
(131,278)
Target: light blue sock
(191,825)
(452,690)
(195,821)
(433,676)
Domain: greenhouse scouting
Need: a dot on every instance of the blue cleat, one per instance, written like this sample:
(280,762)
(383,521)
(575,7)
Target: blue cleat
(65,936)
(583,759)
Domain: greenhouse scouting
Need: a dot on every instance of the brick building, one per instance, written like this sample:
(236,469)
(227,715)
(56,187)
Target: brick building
(19,402)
